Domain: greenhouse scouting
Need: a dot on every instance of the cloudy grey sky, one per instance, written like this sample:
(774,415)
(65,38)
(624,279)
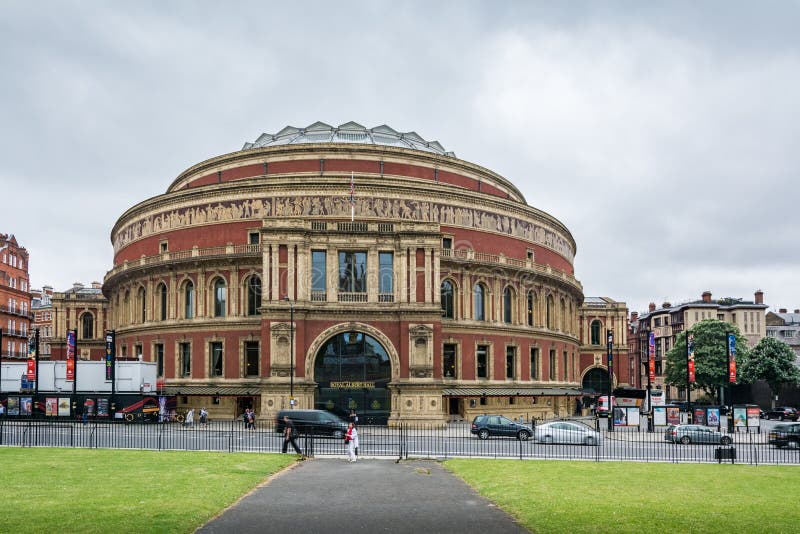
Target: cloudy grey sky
(663,135)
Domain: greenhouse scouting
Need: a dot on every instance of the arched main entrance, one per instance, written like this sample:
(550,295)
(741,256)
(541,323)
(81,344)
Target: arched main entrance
(352,371)
(595,381)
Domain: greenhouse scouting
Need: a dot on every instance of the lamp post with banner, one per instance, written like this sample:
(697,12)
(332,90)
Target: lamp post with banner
(651,376)
(731,343)
(291,352)
(690,377)
(610,346)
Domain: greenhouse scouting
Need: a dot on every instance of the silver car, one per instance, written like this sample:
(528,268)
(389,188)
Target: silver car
(566,432)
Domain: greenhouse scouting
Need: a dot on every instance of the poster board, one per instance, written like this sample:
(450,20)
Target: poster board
(659,415)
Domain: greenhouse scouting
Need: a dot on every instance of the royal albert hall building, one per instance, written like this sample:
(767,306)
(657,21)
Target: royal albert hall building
(349,268)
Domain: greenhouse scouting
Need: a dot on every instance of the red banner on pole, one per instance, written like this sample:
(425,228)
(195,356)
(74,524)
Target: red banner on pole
(690,357)
(651,363)
(70,355)
(731,358)
(31,369)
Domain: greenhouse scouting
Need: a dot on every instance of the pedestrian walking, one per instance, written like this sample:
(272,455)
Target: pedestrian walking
(251,420)
(203,416)
(246,417)
(289,435)
(85,417)
(351,438)
(189,421)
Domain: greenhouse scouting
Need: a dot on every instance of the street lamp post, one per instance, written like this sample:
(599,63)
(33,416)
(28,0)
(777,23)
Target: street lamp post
(291,352)
(610,411)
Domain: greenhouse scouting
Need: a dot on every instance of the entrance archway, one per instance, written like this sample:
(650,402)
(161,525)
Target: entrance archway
(352,370)
(595,381)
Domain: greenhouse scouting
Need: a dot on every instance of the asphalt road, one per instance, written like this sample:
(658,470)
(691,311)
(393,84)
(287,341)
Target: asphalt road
(454,440)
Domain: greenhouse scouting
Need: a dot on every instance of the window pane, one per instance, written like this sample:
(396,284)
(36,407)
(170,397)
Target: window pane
(318,269)
(481,358)
(189,301)
(447,299)
(163,294)
(353,272)
(220,296)
(159,360)
(449,360)
(510,361)
(251,358)
(479,307)
(186,359)
(253,295)
(216,358)
(534,363)
(386,274)
(507,305)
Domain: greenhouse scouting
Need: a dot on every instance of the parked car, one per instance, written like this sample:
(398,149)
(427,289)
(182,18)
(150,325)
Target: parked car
(567,432)
(496,425)
(317,422)
(783,413)
(687,434)
(785,434)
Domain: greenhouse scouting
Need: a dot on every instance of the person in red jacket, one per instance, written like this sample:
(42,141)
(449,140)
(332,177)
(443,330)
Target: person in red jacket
(352,441)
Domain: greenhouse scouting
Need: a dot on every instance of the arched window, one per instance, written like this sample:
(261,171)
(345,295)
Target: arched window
(162,301)
(188,300)
(87,326)
(253,295)
(480,302)
(508,300)
(563,310)
(220,296)
(448,311)
(550,312)
(595,332)
(531,307)
(126,309)
(142,301)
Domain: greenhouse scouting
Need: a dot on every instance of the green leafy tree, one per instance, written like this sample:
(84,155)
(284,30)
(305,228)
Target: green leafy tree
(710,356)
(772,361)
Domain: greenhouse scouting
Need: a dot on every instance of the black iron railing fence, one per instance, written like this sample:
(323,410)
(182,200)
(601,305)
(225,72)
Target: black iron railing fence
(404,441)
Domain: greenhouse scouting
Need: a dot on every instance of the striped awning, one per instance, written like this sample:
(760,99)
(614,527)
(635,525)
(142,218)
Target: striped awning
(510,392)
(213,391)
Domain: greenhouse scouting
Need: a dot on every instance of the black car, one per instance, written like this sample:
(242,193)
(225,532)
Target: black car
(496,425)
(783,413)
(785,434)
(318,422)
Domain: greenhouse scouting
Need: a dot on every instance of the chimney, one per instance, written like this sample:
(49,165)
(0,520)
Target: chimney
(97,285)
(77,286)
(759,297)
(797,311)
(634,316)
(706,296)
(666,305)
(782,310)
(652,307)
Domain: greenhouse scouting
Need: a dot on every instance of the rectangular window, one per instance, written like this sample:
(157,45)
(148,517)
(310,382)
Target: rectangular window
(318,270)
(215,351)
(657,321)
(482,361)
(159,348)
(566,365)
(252,238)
(163,246)
(534,363)
(138,349)
(449,360)
(552,364)
(251,358)
(511,361)
(386,273)
(353,272)
(447,243)
(185,351)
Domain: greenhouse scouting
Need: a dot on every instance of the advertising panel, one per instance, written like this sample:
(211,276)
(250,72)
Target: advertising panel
(660,416)
(673,415)
(51,406)
(102,407)
(31,370)
(620,416)
(740,417)
(88,407)
(63,406)
(699,416)
(26,406)
(109,357)
(633,417)
(713,416)
(13,406)
(753,416)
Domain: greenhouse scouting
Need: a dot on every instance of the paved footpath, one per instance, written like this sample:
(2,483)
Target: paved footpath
(333,495)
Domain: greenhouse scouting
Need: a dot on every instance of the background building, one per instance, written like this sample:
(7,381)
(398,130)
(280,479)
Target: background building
(348,268)
(15,298)
(786,327)
(597,316)
(83,309)
(669,321)
(42,318)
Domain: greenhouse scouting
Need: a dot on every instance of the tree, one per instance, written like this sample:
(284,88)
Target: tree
(772,361)
(710,355)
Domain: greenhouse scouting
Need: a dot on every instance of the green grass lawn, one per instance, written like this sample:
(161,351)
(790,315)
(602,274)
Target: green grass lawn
(549,496)
(80,490)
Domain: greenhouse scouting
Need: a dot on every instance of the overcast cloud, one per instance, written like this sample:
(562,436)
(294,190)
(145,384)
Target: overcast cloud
(664,136)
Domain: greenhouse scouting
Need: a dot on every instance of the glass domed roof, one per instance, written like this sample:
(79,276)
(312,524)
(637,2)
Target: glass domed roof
(349,132)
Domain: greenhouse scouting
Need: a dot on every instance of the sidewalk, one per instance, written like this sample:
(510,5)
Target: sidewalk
(333,495)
